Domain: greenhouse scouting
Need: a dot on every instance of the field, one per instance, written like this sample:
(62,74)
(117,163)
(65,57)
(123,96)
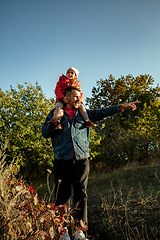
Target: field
(123,204)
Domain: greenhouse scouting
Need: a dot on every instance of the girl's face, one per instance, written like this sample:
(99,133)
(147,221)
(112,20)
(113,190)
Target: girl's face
(71,75)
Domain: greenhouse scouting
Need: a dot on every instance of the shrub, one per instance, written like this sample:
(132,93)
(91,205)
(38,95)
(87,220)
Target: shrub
(22,216)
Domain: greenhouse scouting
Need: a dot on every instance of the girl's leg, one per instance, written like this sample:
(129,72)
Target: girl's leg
(59,105)
(85,117)
(83,113)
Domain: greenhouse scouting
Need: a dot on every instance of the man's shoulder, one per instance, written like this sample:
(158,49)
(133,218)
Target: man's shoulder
(51,112)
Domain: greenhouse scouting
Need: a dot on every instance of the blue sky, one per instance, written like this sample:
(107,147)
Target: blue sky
(41,39)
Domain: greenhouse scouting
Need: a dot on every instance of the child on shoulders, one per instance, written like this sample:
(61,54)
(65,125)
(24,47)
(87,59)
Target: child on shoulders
(71,79)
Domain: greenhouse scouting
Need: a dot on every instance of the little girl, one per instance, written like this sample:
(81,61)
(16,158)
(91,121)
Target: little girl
(66,81)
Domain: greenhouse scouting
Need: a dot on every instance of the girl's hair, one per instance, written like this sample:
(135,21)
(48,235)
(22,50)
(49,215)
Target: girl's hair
(75,78)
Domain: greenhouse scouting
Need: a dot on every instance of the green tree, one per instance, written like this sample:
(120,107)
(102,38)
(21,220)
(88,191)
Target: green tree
(130,135)
(22,113)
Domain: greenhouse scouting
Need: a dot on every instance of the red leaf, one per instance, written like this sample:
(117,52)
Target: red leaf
(31,189)
(62,209)
(27,205)
(53,206)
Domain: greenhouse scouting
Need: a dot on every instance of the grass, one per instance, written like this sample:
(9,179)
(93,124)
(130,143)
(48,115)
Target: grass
(125,204)
(122,205)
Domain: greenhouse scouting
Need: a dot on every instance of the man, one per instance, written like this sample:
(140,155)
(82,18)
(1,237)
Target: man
(71,148)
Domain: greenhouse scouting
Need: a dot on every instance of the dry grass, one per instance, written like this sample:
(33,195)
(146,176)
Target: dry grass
(125,204)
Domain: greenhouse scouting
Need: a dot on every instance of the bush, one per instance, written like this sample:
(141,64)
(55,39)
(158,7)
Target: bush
(22,216)
(22,113)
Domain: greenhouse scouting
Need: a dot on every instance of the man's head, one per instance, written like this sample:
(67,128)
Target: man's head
(73,96)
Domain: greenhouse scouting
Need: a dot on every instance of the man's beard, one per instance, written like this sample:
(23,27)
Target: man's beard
(76,104)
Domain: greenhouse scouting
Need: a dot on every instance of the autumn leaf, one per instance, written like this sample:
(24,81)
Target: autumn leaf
(31,189)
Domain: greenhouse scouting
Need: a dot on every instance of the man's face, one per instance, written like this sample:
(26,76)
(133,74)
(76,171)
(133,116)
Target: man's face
(74,99)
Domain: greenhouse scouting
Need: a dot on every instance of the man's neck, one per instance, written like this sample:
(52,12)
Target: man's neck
(69,107)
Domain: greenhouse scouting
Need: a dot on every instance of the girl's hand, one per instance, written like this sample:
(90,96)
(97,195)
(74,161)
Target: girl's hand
(57,114)
(64,99)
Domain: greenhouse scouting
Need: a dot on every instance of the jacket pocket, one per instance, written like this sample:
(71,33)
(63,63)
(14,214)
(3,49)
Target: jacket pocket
(80,124)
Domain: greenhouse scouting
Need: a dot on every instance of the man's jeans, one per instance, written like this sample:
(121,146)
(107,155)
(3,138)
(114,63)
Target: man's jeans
(72,174)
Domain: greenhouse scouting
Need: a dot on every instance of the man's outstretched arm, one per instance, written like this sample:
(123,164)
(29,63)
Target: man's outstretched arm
(100,114)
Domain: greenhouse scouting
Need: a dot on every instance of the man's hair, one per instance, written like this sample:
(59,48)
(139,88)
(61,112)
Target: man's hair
(68,90)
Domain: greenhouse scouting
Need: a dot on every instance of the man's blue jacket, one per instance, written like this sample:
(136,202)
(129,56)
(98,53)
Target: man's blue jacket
(73,135)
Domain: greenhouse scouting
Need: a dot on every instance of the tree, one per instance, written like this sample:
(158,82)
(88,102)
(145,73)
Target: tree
(131,135)
(22,113)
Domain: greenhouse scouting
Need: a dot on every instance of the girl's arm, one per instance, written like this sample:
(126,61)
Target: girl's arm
(78,85)
(58,91)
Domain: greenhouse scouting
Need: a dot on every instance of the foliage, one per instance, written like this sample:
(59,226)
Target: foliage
(95,142)
(130,135)
(22,113)
(22,216)
(149,122)
(125,89)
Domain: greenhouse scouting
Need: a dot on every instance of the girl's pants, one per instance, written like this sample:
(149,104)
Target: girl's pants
(70,174)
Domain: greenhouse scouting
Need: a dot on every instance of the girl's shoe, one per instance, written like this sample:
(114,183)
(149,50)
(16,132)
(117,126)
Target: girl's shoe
(58,126)
(90,124)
